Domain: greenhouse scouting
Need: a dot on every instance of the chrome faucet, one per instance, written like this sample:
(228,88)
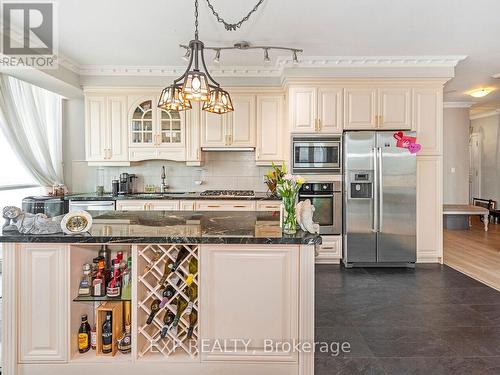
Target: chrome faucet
(163,186)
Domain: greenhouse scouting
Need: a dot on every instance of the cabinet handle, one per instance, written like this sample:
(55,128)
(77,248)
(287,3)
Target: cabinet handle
(319,124)
(230,139)
(239,206)
(209,206)
(380,119)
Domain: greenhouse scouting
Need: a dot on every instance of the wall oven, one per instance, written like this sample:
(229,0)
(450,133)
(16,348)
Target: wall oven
(326,197)
(313,154)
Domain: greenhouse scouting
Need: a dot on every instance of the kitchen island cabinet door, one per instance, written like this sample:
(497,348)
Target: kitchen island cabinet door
(249,292)
(43,303)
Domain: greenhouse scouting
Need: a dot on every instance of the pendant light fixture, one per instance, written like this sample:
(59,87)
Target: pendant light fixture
(198,85)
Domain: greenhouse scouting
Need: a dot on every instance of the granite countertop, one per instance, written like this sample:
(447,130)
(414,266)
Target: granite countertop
(177,227)
(259,196)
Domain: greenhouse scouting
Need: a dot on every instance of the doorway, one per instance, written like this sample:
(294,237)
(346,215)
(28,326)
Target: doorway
(475,166)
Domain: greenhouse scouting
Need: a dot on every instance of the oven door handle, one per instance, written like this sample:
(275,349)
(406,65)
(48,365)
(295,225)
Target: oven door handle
(316,196)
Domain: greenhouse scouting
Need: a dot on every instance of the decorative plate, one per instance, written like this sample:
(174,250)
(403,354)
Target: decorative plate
(76,222)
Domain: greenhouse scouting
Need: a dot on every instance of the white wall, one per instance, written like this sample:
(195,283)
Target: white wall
(221,170)
(456,125)
(488,129)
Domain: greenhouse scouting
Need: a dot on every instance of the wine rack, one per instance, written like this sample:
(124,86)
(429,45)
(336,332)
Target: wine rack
(151,262)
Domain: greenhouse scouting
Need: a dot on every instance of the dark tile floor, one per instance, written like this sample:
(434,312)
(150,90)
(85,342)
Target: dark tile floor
(432,321)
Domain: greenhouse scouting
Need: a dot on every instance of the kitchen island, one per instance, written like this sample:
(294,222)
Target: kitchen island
(255,295)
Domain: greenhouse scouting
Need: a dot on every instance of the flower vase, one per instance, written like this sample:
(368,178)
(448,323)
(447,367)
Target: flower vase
(289,216)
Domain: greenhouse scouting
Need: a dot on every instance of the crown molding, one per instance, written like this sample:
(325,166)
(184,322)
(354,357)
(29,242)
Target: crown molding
(306,62)
(457,104)
(477,116)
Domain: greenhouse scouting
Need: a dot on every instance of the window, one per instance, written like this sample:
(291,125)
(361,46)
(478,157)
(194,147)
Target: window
(13,173)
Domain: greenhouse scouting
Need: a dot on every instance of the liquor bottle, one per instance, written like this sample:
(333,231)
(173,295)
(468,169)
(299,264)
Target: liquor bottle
(168,319)
(167,269)
(85,286)
(99,282)
(114,285)
(193,318)
(155,307)
(107,335)
(84,335)
(183,253)
(125,341)
(105,252)
(93,338)
(127,281)
(181,306)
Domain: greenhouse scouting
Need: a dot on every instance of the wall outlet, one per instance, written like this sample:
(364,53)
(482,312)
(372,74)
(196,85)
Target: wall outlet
(453,169)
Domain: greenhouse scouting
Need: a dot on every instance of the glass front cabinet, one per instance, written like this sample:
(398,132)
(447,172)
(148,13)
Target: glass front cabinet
(155,133)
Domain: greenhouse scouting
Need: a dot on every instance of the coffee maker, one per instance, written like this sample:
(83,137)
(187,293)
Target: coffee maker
(126,184)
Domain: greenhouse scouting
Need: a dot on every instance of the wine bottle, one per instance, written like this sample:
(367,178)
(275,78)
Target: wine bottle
(167,294)
(193,318)
(192,292)
(127,280)
(107,335)
(84,335)
(193,266)
(183,253)
(105,252)
(155,307)
(166,272)
(181,306)
(168,319)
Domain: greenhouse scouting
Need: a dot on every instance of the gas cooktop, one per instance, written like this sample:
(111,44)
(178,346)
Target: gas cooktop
(227,193)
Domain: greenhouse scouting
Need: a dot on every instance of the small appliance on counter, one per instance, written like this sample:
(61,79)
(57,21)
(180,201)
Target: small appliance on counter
(126,184)
(48,205)
(326,197)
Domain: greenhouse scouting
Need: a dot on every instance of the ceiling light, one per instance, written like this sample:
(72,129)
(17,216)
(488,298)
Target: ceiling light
(217,56)
(219,102)
(480,93)
(266,55)
(172,99)
(294,57)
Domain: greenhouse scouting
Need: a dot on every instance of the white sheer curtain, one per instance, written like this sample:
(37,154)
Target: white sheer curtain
(31,120)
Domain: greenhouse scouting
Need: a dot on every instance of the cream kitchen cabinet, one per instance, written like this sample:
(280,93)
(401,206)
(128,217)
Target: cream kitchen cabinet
(106,130)
(147,205)
(315,109)
(428,119)
(224,205)
(268,205)
(193,136)
(263,288)
(43,294)
(155,133)
(231,130)
(377,108)
(330,251)
(270,132)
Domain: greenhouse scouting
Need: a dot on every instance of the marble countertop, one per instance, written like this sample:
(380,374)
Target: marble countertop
(177,227)
(259,196)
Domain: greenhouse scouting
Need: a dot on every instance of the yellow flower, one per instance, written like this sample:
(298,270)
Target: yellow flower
(300,180)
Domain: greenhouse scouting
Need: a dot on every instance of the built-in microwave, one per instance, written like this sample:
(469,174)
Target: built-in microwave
(316,154)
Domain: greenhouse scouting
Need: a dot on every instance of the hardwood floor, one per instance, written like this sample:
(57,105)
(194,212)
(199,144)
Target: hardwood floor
(475,252)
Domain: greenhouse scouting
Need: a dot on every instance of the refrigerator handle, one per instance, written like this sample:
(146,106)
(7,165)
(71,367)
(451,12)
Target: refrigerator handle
(380,194)
(375,190)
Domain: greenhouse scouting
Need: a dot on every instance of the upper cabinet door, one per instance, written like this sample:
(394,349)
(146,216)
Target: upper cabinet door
(192,121)
(241,122)
(302,101)
(213,130)
(360,108)
(428,119)
(142,129)
(117,135)
(171,129)
(329,110)
(95,128)
(270,134)
(394,108)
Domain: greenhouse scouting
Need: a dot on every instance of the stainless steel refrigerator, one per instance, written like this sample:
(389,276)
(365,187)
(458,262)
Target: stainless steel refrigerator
(379,200)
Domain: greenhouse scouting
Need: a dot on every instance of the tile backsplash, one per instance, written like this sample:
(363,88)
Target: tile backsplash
(221,170)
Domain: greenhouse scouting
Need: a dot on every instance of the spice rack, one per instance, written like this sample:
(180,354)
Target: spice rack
(151,260)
